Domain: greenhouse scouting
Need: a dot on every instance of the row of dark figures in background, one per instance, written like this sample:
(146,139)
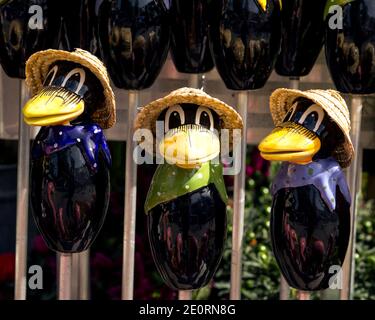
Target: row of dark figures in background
(133,37)
(242,38)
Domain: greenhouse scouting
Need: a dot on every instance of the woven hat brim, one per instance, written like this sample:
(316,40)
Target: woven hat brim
(331,101)
(37,67)
(148,115)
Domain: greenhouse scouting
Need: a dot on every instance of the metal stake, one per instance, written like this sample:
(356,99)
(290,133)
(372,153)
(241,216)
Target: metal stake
(284,289)
(84,275)
(130,203)
(65,276)
(75,276)
(284,286)
(193,82)
(294,83)
(239,206)
(184,294)
(348,267)
(22,200)
(303,295)
(80,276)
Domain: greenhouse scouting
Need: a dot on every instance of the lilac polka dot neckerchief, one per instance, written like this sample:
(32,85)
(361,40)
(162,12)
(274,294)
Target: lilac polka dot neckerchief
(89,137)
(325,174)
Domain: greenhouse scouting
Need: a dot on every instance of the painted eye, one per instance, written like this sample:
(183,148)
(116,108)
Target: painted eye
(204,118)
(174,118)
(51,76)
(312,118)
(74,80)
(290,113)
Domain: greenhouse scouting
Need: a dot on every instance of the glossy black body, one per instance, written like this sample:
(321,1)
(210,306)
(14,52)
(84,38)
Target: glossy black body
(190,35)
(245,42)
(302,36)
(187,237)
(307,238)
(17,40)
(135,40)
(78,26)
(69,199)
(350,52)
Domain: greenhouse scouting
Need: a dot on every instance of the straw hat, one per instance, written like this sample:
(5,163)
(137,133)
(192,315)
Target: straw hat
(331,101)
(37,67)
(149,114)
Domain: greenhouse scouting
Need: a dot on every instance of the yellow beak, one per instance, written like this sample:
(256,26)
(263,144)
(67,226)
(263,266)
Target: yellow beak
(189,146)
(263,4)
(53,106)
(290,142)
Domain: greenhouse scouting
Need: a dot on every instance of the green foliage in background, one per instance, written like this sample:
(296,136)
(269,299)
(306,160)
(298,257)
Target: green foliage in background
(260,274)
(364,285)
(261,277)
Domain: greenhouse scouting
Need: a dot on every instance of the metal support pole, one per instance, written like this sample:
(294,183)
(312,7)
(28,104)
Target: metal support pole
(130,203)
(303,295)
(294,83)
(22,200)
(65,276)
(239,206)
(349,263)
(84,275)
(80,275)
(284,287)
(75,276)
(184,295)
(193,82)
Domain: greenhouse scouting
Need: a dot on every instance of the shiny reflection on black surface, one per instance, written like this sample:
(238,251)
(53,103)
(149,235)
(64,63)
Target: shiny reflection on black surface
(187,237)
(190,29)
(135,40)
(79,24)
(69,199)
(302,36)
(245,42)
(350,52)
(17,40)
(307,238)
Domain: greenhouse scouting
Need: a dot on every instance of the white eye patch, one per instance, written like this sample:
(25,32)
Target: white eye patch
(170,112)
(313,109)
(199,113)
(53,71)
(290,112)
(82,78)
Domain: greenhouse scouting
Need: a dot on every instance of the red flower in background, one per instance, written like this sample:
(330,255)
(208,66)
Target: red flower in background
(7,267)
(257,164)
(249,170)
(101,262)
(114,293)
(40,246)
